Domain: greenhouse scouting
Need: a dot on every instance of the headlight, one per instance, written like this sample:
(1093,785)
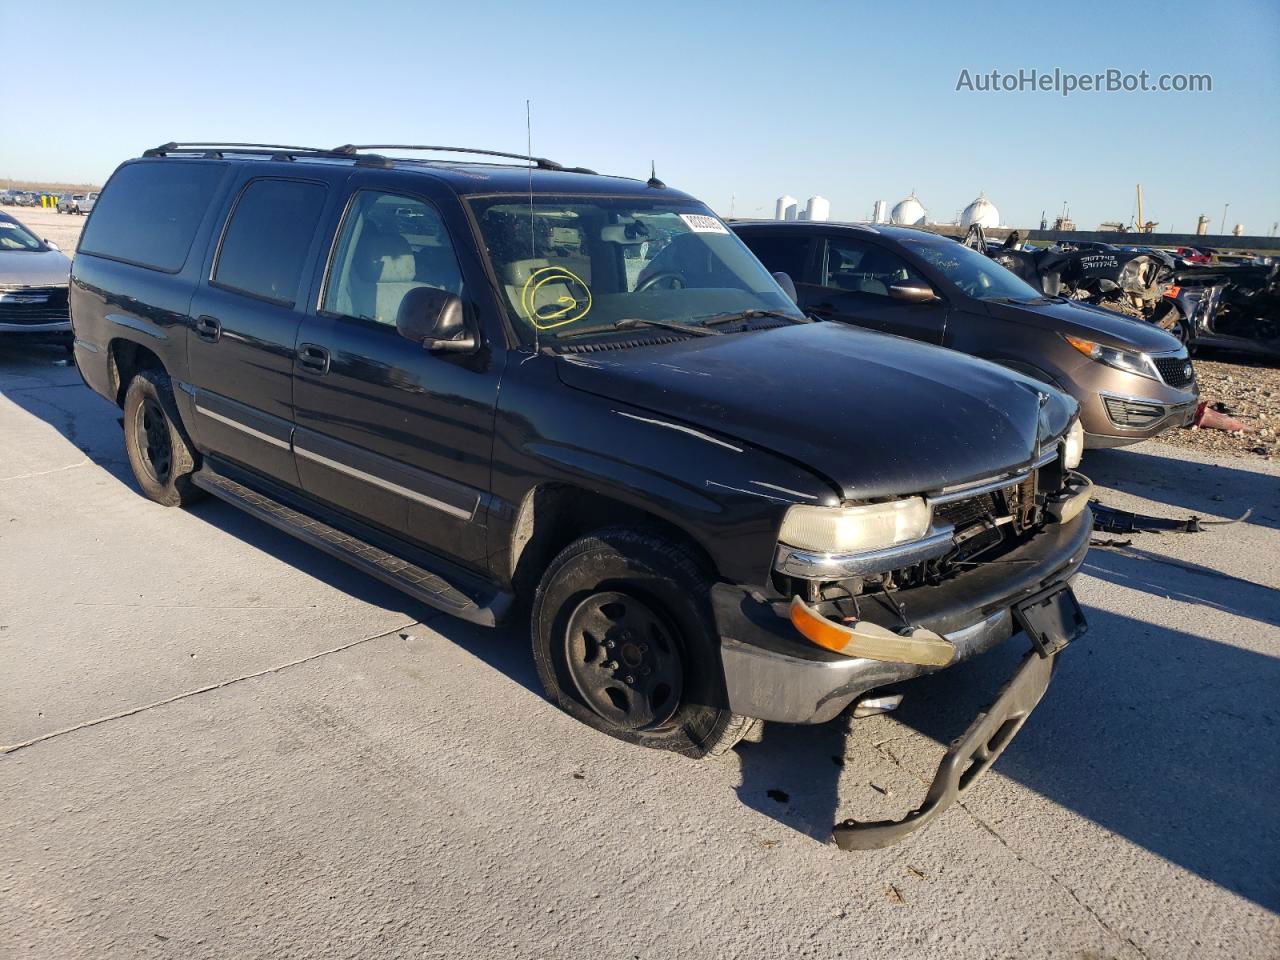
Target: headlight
(1127,360)
(1074,451)
(857,529)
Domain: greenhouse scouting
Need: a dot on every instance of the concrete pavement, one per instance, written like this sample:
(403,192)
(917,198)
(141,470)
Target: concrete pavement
(237,747)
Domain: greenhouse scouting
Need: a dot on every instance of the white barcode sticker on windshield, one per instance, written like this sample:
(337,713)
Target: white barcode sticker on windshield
(701,223)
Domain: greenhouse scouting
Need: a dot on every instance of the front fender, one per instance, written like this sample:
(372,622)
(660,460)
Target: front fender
(727,496)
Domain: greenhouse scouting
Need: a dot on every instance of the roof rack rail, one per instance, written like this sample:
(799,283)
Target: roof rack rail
(275,151)
(350,149)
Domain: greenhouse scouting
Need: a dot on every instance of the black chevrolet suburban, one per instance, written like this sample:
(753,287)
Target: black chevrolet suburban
(507,386)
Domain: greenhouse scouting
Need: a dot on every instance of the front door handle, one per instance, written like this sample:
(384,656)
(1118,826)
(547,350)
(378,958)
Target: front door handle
(313,359)
(208,328)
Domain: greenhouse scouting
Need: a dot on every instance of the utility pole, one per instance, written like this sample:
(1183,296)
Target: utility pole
(1222,229)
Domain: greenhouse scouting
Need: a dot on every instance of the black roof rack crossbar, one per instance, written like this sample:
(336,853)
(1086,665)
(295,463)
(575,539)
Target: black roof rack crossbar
(276,151)
(172,147)
(543,163)
(349,151)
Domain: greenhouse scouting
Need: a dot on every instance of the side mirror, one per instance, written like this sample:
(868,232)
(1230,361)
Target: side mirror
(787,284)
(51,245)
(910,293)
(433,318)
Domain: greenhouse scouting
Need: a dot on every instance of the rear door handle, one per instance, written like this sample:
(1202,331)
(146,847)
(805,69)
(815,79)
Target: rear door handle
(313,358)
(208,328)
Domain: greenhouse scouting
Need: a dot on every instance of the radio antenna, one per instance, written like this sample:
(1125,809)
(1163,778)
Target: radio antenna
(533,241)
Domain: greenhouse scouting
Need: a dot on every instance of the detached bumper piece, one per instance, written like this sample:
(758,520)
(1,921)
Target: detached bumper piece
(1052,619)
(1111,520)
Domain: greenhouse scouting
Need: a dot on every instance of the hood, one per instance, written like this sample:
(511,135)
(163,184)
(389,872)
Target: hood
(30,268)
(1090,322)
(876,415)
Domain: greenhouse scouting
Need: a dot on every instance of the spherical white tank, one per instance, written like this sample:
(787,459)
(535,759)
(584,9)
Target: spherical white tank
(982,212)
(909,212)
(818,208)
(784,202)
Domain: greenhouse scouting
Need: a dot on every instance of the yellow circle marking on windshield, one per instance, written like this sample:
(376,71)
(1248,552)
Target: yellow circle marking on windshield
(566,308)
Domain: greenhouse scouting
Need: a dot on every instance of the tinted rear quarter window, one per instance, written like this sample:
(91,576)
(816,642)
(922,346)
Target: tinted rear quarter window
(265,246)
(780,254)
(150,211)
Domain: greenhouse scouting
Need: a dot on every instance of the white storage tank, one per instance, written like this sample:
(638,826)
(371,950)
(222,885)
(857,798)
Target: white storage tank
(879,210)
(909,212)
(982,212)
(818,208)
(786,208)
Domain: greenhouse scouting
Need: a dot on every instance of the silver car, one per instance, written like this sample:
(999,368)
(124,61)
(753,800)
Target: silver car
(33,285)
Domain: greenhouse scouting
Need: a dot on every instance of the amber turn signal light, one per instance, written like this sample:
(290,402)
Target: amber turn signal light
(865,639)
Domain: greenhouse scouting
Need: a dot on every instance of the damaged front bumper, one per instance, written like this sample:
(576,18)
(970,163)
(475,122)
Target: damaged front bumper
(774,674)
(1051,618)
(969,757)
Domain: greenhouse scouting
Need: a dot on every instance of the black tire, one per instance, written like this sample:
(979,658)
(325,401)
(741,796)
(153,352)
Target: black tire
(157,446)
(620,602)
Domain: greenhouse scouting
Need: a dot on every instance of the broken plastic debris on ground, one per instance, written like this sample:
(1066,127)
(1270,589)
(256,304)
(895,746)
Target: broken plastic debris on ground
(1246,392)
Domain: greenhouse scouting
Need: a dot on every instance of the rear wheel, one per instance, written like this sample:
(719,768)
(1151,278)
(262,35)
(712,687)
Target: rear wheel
(156,445)
(623,640)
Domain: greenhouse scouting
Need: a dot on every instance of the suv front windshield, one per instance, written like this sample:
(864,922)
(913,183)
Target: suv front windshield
(975,273)
(569,265)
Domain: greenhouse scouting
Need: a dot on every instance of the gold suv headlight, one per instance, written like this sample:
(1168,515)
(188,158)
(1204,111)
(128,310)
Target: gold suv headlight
(1074,451)
(856,529)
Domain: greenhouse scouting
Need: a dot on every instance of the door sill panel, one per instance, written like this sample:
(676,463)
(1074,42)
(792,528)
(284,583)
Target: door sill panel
(461,595)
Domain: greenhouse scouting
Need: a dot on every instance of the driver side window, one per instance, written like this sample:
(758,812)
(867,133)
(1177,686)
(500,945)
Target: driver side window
(855,266)
(388,246)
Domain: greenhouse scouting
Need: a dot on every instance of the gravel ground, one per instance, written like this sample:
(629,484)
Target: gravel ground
(1251,391)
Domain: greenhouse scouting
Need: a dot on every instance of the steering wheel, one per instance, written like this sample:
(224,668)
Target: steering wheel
(650,282)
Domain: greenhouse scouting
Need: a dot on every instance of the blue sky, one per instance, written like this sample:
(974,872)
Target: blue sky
(854,101)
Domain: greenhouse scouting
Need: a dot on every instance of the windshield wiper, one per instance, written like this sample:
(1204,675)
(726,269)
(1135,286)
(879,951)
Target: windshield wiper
(717,318)
(630,323)
(1019,301)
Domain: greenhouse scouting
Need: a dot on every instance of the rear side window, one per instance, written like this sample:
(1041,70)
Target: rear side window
(781,254)
(149,213)
(265,245)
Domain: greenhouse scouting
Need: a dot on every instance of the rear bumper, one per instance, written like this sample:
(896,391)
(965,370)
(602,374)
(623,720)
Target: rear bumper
(773,673)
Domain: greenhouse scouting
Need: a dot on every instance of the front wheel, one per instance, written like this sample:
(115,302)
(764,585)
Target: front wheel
(157,447)
(623,640)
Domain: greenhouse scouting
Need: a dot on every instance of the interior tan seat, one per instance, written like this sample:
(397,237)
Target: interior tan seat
(518,273)
(383,271)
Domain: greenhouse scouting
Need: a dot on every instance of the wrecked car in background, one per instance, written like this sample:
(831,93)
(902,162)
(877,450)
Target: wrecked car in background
(1125,281)
(1228,303)
(1238,306)
(487,383)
